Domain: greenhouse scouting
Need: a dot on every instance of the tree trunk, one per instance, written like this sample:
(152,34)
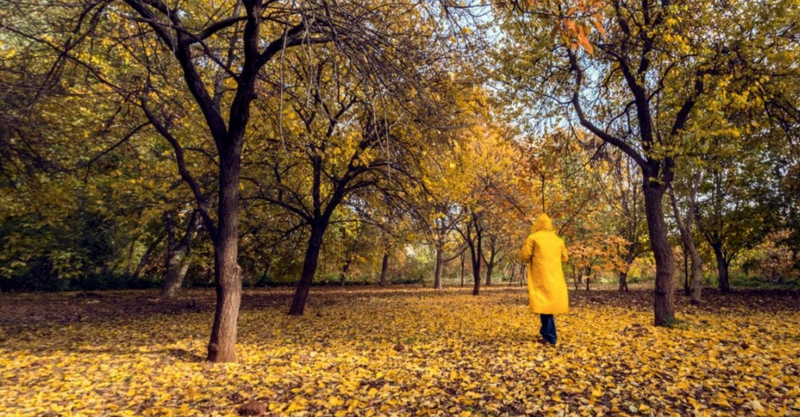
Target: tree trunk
(696,290)
(664,304)
(462,269)
(178,260)
(350,256)
(309,269)
(176,272)
(686,289)
(623,281)
(437,274)
(227,273)
(688,244)
(722,268)
(476,274)
(575,277)
(345,271)
(145,258)
(490,265)
(384,268)
(475,250)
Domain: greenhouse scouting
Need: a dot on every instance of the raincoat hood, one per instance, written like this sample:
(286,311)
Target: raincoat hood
(542,222)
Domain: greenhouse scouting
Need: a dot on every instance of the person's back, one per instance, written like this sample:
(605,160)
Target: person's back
(544,252)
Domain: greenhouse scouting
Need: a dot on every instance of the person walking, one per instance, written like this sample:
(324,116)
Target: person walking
(544,252)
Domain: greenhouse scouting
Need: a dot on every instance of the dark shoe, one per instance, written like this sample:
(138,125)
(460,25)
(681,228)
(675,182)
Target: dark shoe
(545,342)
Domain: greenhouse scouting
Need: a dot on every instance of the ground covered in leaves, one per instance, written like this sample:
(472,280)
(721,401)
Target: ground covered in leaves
(401,351)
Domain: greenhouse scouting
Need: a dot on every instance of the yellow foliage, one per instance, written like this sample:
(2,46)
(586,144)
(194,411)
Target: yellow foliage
(409,352)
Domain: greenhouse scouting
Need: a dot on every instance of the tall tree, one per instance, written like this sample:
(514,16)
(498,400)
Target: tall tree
(223,54)
(636,82)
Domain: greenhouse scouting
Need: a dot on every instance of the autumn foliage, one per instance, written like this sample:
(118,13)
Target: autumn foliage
(399,351)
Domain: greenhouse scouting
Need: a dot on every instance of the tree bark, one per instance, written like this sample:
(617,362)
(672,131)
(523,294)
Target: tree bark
(490,263)
(664,303)
(437,273)
(462,269)
(350,256)
(688,243)
(476,272)
(345,270)
(623,281)
(686,255)
(177,267)
(309,269)
(475,252)
(227,273)
(575,276)
(145,258)
(722,268)
(384,268)
(178,261)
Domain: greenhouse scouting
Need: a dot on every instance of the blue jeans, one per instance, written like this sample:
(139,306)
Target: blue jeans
(548,330)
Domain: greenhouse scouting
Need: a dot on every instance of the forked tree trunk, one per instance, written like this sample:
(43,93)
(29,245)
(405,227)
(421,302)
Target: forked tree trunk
(664,303)
(623,281)
(384,268)
(688,243)
(722,268)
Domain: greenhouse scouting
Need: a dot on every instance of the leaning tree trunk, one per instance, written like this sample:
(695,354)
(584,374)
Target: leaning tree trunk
(688,244)
(227,273)
(145,258)
(177,266)
(437,274)
(722,268)
(178,261)
(664,304)
(309,269)
(384,269)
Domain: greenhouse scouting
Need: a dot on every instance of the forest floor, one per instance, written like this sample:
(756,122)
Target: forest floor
(399,351)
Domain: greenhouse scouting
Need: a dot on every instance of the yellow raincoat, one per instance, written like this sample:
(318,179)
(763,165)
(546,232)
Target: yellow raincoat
(544,252)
